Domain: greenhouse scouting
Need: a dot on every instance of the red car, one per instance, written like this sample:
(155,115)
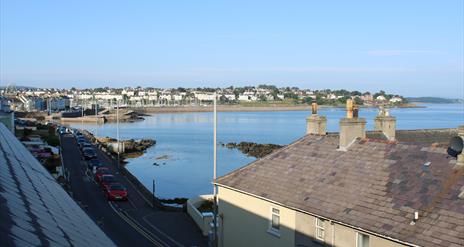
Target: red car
(100,172)
(116,191)
(106,180)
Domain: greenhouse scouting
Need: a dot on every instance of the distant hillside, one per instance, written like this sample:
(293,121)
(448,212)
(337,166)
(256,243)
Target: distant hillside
(435,100)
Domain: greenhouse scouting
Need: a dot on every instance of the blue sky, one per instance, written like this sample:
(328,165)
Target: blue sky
(414,48)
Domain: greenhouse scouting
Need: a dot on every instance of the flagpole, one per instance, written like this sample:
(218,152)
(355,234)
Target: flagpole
(215,209)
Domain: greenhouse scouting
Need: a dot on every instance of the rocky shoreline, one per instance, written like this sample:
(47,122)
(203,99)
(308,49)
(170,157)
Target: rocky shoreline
(253,149)
(104,116)
(132,148)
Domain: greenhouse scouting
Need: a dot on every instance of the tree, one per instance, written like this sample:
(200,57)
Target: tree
(379,93)
(358,101)
(308,100)
(264,86)
(356,93)
(274,94)
(262,97)
(320,100)
(290,95)
(223,99)
(343,99)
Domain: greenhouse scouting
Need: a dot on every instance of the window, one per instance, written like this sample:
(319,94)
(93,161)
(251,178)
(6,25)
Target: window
(320,232)
(362,240)
(275,220)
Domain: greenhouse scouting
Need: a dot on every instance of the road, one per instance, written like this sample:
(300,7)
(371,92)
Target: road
(127,223)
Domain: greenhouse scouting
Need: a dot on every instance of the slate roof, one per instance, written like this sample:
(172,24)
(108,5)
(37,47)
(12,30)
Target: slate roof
(34,208)
(376,185)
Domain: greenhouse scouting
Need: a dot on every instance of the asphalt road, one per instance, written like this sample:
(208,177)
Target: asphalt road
(127,223)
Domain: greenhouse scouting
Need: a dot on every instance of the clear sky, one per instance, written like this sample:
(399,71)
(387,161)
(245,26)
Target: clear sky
(413,48)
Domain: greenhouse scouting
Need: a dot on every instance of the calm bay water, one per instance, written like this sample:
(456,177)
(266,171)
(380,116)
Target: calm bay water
(185,140)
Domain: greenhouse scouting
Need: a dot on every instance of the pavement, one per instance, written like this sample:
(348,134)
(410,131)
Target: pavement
(128,223)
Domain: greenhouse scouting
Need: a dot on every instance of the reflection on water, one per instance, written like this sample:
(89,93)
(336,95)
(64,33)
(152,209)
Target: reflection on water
(186,139)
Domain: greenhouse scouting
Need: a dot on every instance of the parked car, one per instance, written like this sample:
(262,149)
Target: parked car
(116,191)
(94,163)
(100,172)
(81,139)
(85,144)
(89,153)
(62,130)
(78,135)
(106,180)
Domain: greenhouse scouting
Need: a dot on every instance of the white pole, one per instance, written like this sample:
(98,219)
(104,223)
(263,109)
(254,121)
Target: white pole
(117,128)
(96,119)
(215,209)
(214,143)
(82,117)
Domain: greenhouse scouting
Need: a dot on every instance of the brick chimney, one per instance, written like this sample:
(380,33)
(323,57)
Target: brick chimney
(315,124)
(385,123)
(351,127)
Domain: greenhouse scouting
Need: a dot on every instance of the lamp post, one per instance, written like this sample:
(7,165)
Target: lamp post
(215,207)
(82,116)
(153,194)
(117,129)
(96,118)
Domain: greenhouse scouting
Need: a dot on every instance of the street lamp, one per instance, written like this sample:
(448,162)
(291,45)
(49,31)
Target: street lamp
(96,118)
(82,115)
(215,207)
(117,129)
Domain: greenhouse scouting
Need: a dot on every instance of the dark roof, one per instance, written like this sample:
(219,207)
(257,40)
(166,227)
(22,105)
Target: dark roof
(426,135)
(376,185)
(34,208)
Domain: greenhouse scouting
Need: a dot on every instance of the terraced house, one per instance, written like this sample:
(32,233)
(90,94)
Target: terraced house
(354,188)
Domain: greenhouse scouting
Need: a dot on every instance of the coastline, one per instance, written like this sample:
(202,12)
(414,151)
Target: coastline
(240,108)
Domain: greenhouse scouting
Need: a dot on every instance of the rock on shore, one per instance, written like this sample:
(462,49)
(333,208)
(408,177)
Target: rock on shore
(253,149)
(132,148)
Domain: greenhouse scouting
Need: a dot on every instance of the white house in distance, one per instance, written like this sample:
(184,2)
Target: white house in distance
(396,100)
(381,98)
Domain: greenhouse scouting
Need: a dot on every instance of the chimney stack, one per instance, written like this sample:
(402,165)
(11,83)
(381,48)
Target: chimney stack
(315,124)
(385,123)
(351,127)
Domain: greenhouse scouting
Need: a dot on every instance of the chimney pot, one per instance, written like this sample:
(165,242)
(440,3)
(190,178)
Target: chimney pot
(349,108)
(315,124)
(355,111)
(314,107)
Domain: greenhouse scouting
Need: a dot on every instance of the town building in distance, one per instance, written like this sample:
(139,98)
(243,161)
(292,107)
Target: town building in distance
(55,100)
